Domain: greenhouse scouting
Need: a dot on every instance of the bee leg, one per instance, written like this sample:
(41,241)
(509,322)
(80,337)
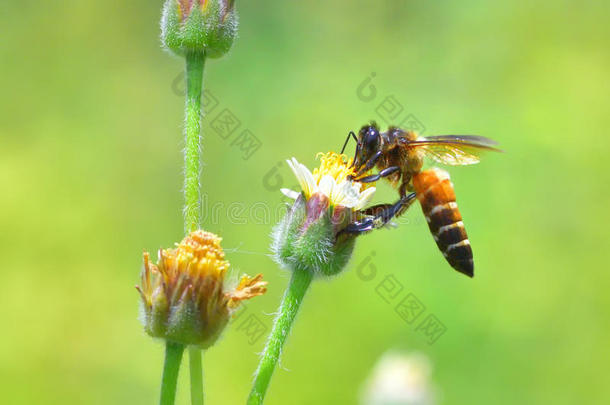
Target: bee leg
(382,214)
(369,164)
(376,210)
(374,177)
(359,227)
(393,210)
(373,215)
(405,185)
(404,204)
(368,223)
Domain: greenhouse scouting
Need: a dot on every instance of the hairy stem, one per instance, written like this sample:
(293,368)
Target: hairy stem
(171,367)
(192,188)
(293,297)
(192,149)
(196,371)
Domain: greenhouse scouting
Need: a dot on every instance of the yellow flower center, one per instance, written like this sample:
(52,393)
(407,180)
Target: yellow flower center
(333,164)
(200,254)
(336,165)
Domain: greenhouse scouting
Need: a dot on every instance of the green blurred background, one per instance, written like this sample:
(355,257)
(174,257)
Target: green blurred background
(90,171)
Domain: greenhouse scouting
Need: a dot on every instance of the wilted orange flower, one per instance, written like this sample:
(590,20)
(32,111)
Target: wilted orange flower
(183,295)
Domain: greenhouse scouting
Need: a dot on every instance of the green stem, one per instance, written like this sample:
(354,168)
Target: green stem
(192,188)
(196,376)
(293,297)
(171,367)
(192,150)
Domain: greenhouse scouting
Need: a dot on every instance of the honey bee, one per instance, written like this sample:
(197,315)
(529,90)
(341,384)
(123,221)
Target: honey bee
(399,157)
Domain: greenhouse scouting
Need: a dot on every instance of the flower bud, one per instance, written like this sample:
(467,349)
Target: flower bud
(309,236)
(183,295)
(208,26)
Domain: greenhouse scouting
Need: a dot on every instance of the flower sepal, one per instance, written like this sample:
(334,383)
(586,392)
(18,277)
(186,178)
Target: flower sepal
(306,239)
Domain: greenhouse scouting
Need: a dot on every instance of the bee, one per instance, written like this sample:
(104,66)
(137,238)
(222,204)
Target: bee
(399,157)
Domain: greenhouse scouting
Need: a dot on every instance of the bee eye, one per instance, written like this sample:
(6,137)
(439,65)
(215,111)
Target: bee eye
(371,139)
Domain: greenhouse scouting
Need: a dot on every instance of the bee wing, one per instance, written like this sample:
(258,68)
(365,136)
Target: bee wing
(454,150)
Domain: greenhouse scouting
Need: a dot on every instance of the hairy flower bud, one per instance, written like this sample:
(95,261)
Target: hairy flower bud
(309,237)
(183,296)
(208,26)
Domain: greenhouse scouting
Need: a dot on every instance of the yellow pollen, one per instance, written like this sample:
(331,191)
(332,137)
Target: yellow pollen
(333,164)
(337,166)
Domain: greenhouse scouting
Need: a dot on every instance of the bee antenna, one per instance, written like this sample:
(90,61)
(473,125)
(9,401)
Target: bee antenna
(352,134)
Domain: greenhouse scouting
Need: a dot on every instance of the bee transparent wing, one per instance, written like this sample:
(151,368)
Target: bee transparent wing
(451,155)
(454,150)
(473,140)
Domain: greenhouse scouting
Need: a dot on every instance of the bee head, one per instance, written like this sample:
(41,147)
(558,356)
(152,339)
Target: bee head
(369,142)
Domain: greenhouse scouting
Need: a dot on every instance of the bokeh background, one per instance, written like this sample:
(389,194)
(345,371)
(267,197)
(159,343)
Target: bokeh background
(90,173)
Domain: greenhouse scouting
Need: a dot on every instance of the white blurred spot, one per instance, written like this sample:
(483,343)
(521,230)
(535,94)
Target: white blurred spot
(400,379)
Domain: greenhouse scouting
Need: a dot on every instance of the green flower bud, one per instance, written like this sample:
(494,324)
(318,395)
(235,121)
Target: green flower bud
(183,297)
(208,26)
(309,237)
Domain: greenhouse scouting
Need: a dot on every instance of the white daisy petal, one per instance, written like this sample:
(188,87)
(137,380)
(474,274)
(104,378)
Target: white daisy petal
(338,197)
(346,194)
(303,175)
(294,166)
(365,197)
(309,186)
(290,193)
(327,185)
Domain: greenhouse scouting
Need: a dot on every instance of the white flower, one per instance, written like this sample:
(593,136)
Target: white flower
(311,236)
(331,180)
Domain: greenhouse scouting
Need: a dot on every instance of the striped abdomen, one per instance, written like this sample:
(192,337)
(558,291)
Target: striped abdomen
(435,193)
